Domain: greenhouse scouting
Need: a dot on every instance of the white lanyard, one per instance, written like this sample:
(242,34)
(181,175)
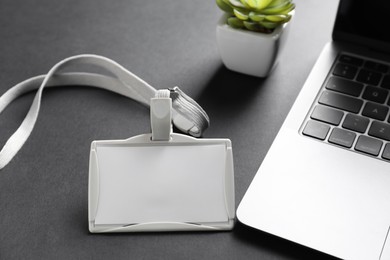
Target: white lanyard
(187,115)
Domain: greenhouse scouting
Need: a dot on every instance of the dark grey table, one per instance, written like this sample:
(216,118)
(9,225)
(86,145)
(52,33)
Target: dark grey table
(43,191)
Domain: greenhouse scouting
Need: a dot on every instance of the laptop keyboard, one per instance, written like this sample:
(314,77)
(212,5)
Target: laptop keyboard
(352,109)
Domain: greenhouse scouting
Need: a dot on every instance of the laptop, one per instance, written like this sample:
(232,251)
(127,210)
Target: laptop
(325,181)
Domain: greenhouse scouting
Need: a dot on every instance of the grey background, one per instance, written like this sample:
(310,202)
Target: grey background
(43,191)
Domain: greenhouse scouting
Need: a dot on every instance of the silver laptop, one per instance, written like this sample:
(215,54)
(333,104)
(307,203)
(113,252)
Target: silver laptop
(325,182)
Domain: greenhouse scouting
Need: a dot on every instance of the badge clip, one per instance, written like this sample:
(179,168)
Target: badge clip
(161,116)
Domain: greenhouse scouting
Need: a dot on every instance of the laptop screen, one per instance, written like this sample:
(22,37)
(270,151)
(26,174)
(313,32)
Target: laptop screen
(364,22)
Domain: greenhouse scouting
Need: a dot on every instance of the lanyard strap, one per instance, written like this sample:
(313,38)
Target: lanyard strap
(187,115)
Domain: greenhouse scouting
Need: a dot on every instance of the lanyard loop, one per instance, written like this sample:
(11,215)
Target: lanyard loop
(187,115)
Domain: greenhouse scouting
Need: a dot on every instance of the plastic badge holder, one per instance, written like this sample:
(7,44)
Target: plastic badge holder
(161,181)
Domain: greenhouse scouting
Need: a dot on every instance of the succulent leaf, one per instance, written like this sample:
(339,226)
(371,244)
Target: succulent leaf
(280,9)
(251,3)
(256,27)
(259,4)
(278,2)
(242,15)
(245,3)
(288,18)
(276,18)
(251,26)
(235,22)
(269,25)
(237,3)
(224,6)
(256,16)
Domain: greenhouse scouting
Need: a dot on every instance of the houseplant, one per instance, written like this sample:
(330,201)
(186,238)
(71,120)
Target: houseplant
(251,33)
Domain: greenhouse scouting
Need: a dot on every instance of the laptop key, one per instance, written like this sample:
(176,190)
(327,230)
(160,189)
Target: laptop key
(341,101)
(375,111)
(376,66)
(386,152)
(386,82)
(369,77)
(351,60)
(380,130)
(356,123)
(375,94)
(345,86)
(327,115)
(345,70)
(342,137)
(368,145)
(316,130)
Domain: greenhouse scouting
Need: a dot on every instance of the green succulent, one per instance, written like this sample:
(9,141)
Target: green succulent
(257,15)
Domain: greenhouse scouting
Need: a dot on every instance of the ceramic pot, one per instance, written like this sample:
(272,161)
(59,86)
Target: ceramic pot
(248,52)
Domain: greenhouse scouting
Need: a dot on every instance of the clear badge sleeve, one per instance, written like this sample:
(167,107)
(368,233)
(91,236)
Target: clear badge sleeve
(143,185)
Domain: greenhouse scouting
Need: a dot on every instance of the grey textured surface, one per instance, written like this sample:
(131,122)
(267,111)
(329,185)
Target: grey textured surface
(43,191)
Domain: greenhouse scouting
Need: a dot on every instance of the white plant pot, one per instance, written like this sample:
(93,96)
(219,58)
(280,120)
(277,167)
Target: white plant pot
(248,52)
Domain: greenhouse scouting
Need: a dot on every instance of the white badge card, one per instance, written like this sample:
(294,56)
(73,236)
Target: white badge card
(143,185)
